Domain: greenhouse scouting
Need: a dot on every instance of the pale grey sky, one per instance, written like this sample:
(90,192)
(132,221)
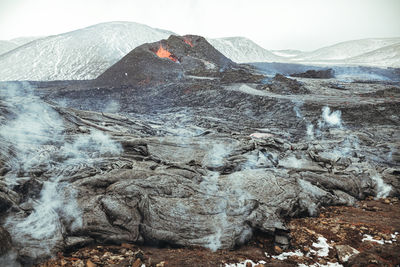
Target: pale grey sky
(273,24)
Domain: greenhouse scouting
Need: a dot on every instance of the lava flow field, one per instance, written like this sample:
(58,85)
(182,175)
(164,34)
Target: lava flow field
(178,156)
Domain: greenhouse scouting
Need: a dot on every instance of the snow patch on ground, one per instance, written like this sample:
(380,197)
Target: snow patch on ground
(381,241)
(321,250)
(328,264)
(244,263)
(371,239)
(322,246)
(285,255)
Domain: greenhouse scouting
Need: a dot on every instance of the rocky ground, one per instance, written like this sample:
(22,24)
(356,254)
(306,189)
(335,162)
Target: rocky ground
(364,235)
(200,152)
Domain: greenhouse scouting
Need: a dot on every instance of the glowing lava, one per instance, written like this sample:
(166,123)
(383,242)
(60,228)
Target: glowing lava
(188,42)
(161,52)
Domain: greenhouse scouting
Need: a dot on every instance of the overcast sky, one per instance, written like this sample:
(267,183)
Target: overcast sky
(273,24)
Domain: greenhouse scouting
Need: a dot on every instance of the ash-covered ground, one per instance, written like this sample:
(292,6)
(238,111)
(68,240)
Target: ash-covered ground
(176,145)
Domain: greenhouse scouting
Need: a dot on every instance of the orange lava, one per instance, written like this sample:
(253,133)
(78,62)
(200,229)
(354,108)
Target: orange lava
(188,42)
(161,52)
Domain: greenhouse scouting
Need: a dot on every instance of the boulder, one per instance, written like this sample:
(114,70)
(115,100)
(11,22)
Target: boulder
(316,74)
(282,85)
(344,252)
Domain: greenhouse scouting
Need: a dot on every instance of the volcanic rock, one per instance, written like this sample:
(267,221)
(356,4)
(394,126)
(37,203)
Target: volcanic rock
(240,76)
(344,252)
(282,240)
(316,74)
(283,85)
(376,256)
(177,58)
(5,241)
(5,202)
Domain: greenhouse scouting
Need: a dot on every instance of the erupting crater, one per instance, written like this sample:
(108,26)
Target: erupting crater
(194,55)
(164,53)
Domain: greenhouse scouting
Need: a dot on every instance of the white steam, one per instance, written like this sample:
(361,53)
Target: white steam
(112,107)
(215,158)
(382,189)
(36,138)
(210,186)
(298,112)
(219,225)
(310,127)
(329,120)
(310,131)
(35,124)
(86,147)
(292,162)
(217,154)
(332,119)
(228,197)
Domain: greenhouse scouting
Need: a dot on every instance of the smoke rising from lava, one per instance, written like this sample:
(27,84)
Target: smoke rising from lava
(37,141)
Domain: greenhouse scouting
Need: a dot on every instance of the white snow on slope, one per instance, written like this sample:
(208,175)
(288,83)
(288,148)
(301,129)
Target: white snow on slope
(80,54)
(388,56)
(242,50)
(6,46)
(86,53)
(345,50)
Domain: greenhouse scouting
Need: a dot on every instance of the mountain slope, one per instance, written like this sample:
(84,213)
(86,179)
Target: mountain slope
(80,54)
(287,53)
(388,56)
(24,40)
(6,46)
(242,50)
(86,53)
(347,49)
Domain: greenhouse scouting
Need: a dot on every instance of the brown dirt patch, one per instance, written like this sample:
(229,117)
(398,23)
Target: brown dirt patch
(339,225)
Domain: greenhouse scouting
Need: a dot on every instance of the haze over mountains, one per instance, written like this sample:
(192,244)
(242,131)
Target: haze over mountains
(88,52)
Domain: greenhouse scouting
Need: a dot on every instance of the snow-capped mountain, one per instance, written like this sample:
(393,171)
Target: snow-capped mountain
(242,50)
(86,53)
(345,50)
(6,46)
(388,56)
(80,54)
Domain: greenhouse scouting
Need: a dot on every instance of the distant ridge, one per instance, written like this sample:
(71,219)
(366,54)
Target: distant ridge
(86,53)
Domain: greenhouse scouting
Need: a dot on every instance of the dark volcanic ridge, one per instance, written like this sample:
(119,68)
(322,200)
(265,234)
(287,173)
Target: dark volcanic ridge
(174,59)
